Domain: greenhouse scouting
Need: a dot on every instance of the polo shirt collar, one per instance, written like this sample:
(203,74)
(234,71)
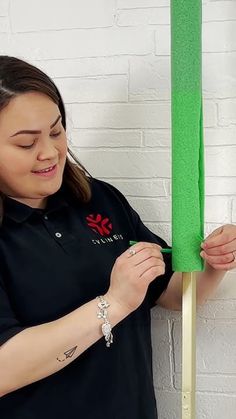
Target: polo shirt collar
(20,212)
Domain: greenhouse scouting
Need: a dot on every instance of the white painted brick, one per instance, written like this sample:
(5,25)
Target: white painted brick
(209,113)
(220,136)
(144,188)
(141,130)
(218,309)
(216,406)
(234,207)
(129,164)
(54,14)
(149,78)
(219,36)
(4,4)
(220,161)
(161,360)
(3,43)
(212,338)
(212,383)
(209,406)
(227,111)
(219,10)
(161,229)
(169,404)
(163,314)
(129,4)
(220,186)
(220,83)
(131,115)
(103,138)
(4,24)
(94,89)
(81,43)
(157,138)
(217,209)
(149,16)
(215,383)
(121,115)
(162,38)
(84,67)
(152,209)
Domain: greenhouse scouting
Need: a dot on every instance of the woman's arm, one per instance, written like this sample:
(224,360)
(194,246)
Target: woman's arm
(42,350)
(39,351)
(207,283)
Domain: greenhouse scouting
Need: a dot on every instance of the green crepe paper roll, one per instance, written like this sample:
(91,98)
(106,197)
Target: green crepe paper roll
(187,136)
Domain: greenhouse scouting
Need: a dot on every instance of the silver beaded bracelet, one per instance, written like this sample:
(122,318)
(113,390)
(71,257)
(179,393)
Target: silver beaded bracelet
(106,326)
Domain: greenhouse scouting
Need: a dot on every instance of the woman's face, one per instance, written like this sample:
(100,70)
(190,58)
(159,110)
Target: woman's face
(32,140)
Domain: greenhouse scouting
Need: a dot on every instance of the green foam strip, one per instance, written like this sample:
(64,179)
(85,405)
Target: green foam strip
(187,135)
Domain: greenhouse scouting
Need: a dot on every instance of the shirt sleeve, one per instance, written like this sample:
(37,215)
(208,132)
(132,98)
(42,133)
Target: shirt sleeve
(159,284)
(9,325)
(142,233)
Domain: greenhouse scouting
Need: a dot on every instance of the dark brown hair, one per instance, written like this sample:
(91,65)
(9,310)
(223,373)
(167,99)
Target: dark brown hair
(19,77)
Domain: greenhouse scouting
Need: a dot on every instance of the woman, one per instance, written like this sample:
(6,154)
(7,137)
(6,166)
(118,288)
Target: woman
(67,274)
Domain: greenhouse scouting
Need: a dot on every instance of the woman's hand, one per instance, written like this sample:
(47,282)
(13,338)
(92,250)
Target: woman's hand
(219,248)
(132,273)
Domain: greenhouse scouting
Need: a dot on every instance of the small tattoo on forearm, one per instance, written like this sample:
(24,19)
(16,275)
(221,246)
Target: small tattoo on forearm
(68,354)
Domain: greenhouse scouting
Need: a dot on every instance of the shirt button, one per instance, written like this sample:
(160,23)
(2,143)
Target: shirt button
(45,217)
(58,235)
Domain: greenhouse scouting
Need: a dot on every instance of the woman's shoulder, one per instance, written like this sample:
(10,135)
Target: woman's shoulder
(104,190)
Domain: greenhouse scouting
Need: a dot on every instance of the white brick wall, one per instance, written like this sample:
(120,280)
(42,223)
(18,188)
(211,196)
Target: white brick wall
(110,59)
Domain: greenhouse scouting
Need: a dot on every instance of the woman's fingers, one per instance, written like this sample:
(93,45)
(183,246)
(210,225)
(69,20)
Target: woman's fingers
(151,268)
(147,261)
(218,260)
(133,272)
(222,249)
(223,263)
(145,254)
(219,248)
(143,251)
(222,236)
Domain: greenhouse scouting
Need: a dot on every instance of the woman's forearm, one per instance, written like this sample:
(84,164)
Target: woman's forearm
(42,350)
(207,283)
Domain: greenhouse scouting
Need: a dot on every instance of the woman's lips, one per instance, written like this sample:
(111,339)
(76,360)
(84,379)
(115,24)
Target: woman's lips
(49,172)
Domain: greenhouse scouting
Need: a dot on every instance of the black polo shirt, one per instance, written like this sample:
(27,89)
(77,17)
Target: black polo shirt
(51,262)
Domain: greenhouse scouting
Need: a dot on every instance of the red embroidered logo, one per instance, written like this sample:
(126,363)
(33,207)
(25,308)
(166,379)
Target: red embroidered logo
(100,225)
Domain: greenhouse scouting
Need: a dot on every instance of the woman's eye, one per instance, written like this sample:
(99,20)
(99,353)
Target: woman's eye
(56,134)
(26,146)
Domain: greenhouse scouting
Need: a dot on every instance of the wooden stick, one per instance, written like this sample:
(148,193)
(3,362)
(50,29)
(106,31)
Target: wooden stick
(189,346)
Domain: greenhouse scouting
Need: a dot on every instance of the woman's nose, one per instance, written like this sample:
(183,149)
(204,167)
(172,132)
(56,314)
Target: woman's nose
(47,150)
